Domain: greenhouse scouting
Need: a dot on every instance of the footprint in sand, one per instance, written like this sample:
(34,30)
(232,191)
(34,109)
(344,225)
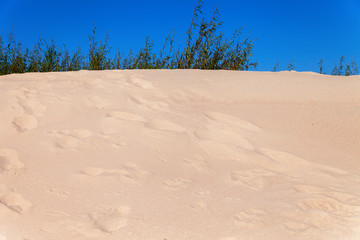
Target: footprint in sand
(137,99)
(131,170)
(320,219)
(176,184)
(128,170)
(9,160)
(328,204)
(202,192)
(196,161)
(78,133)
(94,84)
(111,126)
(300,219)
(93,171)
(55,213)
(139,82)
(165,125)
(225,137)
(200,205)
(192,96)
(219,150)
(97,102)
(340,196)
(16,202)
(25,122)
(58,192)
(24,93)
(250,218)
(116,121)
(302,188)
(32,106)
(155,105)
(67,142)
(125,116)
(257,179)
(232,120)
(296,226)
(112,220)
(71,138)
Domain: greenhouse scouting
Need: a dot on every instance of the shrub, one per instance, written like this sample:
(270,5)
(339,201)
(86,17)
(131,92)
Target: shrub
(35,57)
(65,60)
(276,67)
(4,61)
(51,57)
(98,51)
(291,66)
(116,62)
(345,69)
(321,68)
(77,61)
(210,50)
(205,48)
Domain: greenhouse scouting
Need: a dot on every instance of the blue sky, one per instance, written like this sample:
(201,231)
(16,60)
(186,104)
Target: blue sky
(302,31)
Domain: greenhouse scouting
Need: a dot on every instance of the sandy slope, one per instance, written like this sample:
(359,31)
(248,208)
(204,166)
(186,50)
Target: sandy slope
(179,155)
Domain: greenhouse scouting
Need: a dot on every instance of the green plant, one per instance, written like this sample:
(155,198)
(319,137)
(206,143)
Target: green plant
(354,68)
(321,70)
(276,67)
(291,66)
(205,48)
(166,55)
(116,62)
(51,57)
(145,59)
(210,50)
(4,61)
(339,70)
(35,57)
(77,61)
(345,69)
(98,51)
(128,62)
(65,60)
(15,55)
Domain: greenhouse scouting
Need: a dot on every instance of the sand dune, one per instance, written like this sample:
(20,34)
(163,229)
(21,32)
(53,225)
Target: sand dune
(179,154)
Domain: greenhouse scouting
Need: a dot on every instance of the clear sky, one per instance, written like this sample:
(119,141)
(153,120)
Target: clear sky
(303,31)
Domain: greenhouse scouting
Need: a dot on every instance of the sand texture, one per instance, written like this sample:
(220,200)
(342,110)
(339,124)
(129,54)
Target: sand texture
(179,155)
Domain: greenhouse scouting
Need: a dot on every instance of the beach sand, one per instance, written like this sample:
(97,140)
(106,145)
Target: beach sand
(179,154)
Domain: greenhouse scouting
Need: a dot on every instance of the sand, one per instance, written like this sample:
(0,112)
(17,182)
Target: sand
(179,154)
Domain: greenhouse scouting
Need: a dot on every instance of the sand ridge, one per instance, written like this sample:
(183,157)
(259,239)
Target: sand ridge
(183,154)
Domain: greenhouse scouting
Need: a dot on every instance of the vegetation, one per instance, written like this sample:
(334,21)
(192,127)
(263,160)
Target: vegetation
(276,67)
(345,69)
(205,48)
(291,66)
(321,67)
(340,69)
